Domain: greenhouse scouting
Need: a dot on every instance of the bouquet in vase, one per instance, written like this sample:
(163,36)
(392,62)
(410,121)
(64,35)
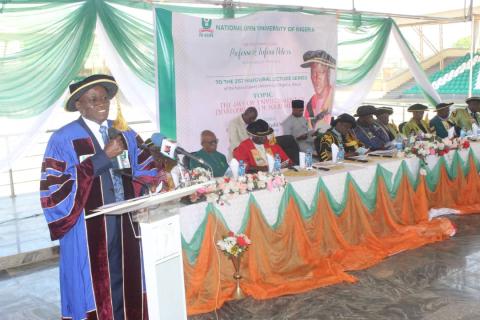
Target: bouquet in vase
(233,244)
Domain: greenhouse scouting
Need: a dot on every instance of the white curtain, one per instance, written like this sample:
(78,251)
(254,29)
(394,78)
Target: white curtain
(348,99)
(417,71)
(138,93)
(20,135)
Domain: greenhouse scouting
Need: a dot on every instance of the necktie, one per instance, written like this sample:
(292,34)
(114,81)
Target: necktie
(116,178)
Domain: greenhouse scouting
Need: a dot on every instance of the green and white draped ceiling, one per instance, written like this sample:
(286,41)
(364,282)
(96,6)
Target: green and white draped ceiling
(45,45)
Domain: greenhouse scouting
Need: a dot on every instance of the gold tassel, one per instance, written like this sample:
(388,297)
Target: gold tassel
(272,139)
(120,123)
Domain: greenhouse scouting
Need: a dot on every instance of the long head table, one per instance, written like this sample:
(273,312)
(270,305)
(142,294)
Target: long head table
(309,234)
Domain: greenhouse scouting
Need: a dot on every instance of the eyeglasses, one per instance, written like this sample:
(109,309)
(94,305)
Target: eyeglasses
(211,142)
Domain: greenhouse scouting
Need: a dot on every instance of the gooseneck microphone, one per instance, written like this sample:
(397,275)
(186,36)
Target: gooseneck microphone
(171,149)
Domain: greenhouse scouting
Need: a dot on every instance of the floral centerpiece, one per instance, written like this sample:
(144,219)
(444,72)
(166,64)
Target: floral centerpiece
(226,188)
(424,145)
(234,245)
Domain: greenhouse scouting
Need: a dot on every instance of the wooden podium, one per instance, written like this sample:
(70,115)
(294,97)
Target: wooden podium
(159,221)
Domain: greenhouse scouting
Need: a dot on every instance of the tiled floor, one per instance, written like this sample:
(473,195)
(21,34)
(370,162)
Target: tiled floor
(439,281)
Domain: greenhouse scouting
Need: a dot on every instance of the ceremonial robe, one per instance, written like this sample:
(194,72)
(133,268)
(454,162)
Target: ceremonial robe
(75,180)
(247,152)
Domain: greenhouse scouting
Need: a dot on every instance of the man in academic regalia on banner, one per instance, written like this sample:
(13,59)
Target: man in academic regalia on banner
(100,258)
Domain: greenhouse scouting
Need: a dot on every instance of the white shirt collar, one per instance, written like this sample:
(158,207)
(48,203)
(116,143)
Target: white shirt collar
(95,128)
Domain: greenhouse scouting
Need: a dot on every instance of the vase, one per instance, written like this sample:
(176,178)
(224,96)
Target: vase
(238,293)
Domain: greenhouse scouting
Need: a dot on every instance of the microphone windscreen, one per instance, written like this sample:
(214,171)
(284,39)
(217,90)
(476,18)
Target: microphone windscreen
(112,133)
(157,139)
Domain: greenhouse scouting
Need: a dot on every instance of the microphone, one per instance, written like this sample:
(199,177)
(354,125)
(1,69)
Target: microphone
(180,150)
(171,149)
(121,161)
(113,133)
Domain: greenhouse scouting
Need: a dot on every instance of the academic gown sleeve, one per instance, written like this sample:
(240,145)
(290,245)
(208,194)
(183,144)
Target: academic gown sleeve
(66,182)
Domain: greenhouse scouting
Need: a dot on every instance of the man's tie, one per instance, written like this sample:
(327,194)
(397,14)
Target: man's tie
(116,178)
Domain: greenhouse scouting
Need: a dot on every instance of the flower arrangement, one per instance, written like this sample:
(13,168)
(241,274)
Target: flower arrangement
(227,188)
(233,244)
(424,145)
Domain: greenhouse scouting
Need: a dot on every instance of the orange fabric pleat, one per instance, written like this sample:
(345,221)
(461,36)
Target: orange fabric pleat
(303,254)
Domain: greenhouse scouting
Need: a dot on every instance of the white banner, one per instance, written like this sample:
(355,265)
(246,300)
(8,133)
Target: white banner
(224,66)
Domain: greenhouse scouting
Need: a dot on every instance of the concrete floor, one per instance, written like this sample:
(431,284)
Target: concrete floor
(438,281)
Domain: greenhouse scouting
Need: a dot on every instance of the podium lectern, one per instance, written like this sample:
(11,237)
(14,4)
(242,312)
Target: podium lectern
(157,215)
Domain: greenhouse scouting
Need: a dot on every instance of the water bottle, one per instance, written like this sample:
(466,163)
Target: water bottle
(341,153)
(241,168)
(399,143)
(308,159)
(463,133)
(277,164)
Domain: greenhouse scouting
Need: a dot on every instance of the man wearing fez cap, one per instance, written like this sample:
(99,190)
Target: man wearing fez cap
(253,151)
(368,131)
(320,104)
(297,126)
(99,257)
(340,134)
(383,114)
(416,123)
(440,123)
(463,118)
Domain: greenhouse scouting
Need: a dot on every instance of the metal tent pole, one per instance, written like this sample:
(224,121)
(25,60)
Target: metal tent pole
(472,45)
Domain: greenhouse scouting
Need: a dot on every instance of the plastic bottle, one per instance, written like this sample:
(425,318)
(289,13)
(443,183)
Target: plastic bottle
(399,143)
(308,159)
(241,168)
(277,165)
(341,153)
(463,133)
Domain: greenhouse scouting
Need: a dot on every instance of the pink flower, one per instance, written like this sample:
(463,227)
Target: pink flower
(231,233)
(269,185)
(432,152)
(202,191)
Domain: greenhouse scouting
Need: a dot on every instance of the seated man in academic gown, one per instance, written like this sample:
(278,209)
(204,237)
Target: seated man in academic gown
(253,151)
(340,134)
(368,131)
(383,114)
(416,124)
(463,118)
(440,123)
(209,153)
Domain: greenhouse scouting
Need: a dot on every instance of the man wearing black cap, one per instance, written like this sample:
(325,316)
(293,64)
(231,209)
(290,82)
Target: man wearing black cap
(253,151)
(383,114)
(297,126)
(417,124)
(99,257)
(368,131)
(440,123)
(320,104)
(340,134)
(463,118)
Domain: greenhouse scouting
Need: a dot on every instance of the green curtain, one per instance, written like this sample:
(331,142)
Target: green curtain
(44,48)
(42,55)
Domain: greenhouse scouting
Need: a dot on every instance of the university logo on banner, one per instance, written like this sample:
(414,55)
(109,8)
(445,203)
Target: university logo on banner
(206,31)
